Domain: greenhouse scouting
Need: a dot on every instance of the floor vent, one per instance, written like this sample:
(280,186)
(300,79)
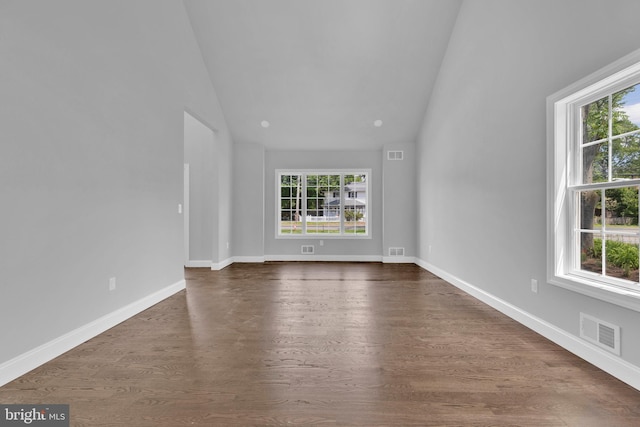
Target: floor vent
(308,249)
(396,251)
(395,155)
(600,333)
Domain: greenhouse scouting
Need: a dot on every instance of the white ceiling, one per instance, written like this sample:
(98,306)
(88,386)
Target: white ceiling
(322,71)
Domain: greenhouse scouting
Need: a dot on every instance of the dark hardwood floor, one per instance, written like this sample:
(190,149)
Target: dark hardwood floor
(361,344)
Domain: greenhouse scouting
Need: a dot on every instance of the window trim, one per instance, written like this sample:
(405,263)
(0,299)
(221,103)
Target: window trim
(342,172)
(561,122)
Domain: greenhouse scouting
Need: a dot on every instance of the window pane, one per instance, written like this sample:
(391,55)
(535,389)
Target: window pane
(331,200)
(330,226)
(621,208)
(312,226)
(288,224)
(355,222)
(619,218)
(626,110)
(595,120)
(595,163)
(355,204)
(288,180)
(591,258)
(590,249)
(323,225)
(290,197)
(590,209)
(626,157)
(285,204)
(622,256)
(291,227)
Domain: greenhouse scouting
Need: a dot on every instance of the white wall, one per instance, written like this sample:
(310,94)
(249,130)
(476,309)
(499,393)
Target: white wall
(91,122)
(248,202)
(224,154)
(481,153)
(399,201)
(393,204)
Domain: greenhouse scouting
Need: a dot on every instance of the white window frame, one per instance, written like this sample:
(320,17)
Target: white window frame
(343,194)
(563,127)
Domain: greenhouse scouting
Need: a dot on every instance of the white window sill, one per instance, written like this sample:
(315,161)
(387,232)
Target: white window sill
(322,237)
(612,294)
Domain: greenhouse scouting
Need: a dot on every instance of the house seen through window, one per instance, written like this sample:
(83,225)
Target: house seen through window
(323,203)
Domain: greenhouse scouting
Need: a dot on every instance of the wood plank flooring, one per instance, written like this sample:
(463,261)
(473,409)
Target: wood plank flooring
(347,344)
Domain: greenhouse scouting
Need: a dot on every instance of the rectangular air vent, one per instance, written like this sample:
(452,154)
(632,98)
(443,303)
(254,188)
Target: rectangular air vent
(600,333)
(396,251)
(395,155)
(308,249)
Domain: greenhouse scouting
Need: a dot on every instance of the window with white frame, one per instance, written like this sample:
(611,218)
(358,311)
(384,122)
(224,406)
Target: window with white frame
(323,203)
(594,148)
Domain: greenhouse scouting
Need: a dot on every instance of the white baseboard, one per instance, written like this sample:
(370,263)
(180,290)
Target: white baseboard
(220,265)
(399,260)
(324,258)
(604,360)
(315,257)
(30,360)
(203,263)
(249,259)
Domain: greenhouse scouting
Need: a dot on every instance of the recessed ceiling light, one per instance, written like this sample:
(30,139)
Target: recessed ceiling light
(377,123)
(265,124)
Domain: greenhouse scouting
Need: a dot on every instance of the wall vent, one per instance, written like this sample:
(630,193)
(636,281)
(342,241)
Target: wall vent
(600,333)
(308,249)
(396,251)
(395,155)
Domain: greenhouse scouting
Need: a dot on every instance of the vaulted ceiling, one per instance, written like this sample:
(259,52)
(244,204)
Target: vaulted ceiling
(321,72)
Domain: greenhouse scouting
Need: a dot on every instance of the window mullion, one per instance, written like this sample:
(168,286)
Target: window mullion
(638,221)
(603,229)
(610,141)
(599,185)
(342,215)
(303,202)
(623,135)
(577,229)
(599,141)
(279,205)
(575,149)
